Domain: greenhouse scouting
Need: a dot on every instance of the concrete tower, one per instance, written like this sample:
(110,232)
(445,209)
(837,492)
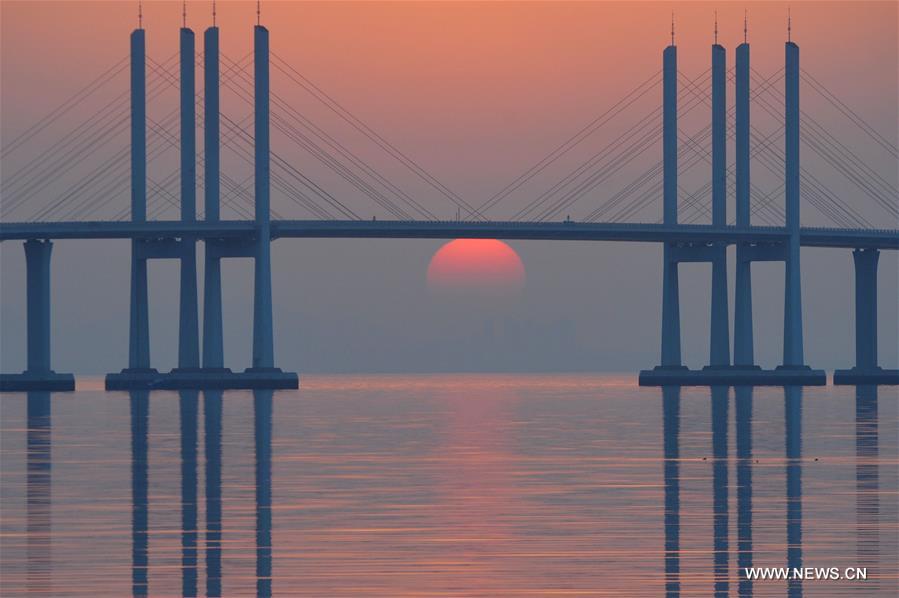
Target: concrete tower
(743,341)
(719,342)
(793,353)
(188,334)
(139,331)
(671,348)
(213,343)
(263,343)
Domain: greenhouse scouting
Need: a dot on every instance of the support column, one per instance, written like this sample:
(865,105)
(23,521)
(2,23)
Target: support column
(793,353)
(671,354)
(213,344)
(188,334)
(865,308)
(263,344)
(719,342)
(743,340)
(139,331)
(37,262)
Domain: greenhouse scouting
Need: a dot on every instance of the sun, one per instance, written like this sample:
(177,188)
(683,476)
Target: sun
(476,267)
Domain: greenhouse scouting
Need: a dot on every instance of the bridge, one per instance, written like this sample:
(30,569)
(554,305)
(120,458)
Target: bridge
(695,234)
(251,236)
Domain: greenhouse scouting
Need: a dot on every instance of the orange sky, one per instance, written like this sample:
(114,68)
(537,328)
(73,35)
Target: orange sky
(450,82)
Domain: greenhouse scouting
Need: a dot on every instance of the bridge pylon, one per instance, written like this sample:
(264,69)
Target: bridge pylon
(671,343)
(139,329)
(743,335)
(720,371)
(188,331)
(189,374)
(213,341)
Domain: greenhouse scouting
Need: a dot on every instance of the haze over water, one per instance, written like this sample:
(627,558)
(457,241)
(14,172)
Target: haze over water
(462,485)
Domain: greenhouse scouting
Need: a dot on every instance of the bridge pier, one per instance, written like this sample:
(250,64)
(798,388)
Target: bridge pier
(866,370)
(139,329)
(866,307)
(189,374)
(671,346)
(38,374)
(719,342)
(743,335)
(37,256)
(213,337)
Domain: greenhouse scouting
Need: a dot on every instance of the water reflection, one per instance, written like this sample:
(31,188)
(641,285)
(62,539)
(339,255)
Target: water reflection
(743,403)
(671,433)
(262,415)
(719,408)
(188,408)
(867,483)
(189,420)
(793,425)
(551,500)
(212,426)
(140,427)
(38,495)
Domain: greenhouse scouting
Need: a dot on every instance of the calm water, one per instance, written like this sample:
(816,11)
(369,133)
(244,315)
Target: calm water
(448,486)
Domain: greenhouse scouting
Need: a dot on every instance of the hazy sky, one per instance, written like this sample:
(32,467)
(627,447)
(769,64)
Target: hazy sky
(475,93)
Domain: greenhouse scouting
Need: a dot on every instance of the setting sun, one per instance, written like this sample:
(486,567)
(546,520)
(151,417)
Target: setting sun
(479,266)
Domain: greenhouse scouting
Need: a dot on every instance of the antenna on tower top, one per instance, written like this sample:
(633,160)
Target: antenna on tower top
(140,14)
(258,12)
(184,14)
(789,26)
(716,27)
(672,27)
(213,13)
(745,27)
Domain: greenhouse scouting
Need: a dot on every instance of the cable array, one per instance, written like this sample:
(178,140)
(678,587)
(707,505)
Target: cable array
(94,189)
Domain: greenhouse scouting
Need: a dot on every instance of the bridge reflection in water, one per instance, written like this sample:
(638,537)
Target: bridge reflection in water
(189,409)
(868,520)
(681,242)
(710,535)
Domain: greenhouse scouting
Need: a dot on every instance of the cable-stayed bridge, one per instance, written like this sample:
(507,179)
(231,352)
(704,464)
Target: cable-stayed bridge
(453,229)
(90,206)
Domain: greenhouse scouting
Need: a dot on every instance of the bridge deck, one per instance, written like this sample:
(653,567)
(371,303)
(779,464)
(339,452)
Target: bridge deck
(393,229)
